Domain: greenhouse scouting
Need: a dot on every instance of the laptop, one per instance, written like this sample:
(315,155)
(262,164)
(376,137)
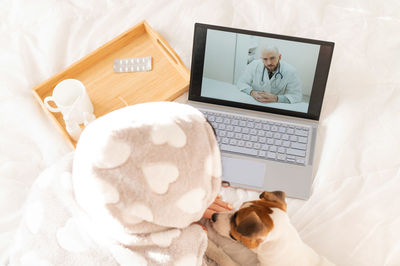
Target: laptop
(263,94)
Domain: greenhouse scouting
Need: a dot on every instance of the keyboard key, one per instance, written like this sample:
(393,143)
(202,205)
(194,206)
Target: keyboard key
(293,138)
(250,124)
(229,127)
(292,160)
(253,131)
(302,133)
(296,152)
(235,122)
(302,139)
(221,126)
(238,135)
(282,129)
(270,141)
(265,147)
(241,143)
(257,125)
(225,140)
(281,150)
(286,143)
(273,148)
(281,157)
(261,133)
(245,130)
(277,136)
(291,157)
(269,134)
(290,131)
(274,128)
(300,161)
(237,149)
(271,155)
(237,129)
(285,137)
(211,118)
(299,146)
(233,142)
(257,146)
(242,123)
(266,127)
(222,133)
(249,144)
(227,121)
(278,142)
(261,153)
(230,134)
(218,119)
(254,138)
(246,137)
(262,139)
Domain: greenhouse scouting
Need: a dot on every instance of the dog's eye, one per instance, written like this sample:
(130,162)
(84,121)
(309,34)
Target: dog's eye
(232,236)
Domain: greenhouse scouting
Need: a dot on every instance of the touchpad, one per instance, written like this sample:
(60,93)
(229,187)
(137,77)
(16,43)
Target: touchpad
(242,171)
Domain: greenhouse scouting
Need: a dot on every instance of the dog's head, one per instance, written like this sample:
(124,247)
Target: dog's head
(251,224)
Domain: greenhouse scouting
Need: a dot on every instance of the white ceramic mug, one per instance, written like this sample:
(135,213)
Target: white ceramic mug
(73,102)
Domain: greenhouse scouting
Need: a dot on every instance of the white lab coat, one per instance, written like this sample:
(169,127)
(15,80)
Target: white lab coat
(286,86)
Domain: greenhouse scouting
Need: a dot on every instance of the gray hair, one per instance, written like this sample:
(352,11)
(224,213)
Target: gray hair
(266,47)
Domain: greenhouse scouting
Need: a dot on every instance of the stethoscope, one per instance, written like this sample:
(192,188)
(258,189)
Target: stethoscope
(278,72)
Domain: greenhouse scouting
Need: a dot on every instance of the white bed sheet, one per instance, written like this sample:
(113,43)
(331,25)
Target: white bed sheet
(353,217)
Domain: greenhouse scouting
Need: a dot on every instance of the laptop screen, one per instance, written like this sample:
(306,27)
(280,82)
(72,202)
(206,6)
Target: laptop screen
(259,71)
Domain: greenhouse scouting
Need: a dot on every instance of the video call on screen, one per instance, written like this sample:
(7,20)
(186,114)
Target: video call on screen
(278,73)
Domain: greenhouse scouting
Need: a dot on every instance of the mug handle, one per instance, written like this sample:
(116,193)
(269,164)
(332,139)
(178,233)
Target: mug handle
(46,100)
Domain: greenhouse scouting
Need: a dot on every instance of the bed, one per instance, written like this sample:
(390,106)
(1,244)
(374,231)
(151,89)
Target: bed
(352,217)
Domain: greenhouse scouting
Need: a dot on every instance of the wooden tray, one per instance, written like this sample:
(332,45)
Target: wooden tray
(108,90)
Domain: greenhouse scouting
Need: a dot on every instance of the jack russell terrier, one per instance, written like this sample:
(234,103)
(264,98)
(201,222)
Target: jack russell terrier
(262,226)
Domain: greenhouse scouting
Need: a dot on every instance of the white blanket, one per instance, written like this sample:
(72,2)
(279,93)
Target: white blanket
(351,218)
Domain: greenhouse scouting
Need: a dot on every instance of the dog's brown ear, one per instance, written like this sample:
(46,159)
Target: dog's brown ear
(275,196)
(251,225)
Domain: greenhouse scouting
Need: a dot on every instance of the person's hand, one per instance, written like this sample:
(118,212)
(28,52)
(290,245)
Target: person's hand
(217,206)
(263,96)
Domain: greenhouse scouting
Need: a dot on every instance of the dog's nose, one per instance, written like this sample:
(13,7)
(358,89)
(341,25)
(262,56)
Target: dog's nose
(214,217)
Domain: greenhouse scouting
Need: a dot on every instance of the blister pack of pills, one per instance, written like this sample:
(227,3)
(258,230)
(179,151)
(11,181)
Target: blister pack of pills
(135,64)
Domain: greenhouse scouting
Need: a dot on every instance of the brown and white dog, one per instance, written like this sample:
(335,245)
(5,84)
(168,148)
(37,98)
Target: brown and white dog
(262,226)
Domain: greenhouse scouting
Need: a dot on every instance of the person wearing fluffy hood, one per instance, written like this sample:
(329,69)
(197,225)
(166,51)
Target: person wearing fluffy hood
(129,195)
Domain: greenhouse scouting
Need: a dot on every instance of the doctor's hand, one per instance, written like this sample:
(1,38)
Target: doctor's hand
(263,96)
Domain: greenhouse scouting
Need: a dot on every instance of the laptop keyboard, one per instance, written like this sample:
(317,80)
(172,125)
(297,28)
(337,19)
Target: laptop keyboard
(261,138)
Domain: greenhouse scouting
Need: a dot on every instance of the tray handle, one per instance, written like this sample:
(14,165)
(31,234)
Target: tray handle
(169,51)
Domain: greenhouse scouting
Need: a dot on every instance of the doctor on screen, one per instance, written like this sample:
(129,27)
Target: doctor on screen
(270,79)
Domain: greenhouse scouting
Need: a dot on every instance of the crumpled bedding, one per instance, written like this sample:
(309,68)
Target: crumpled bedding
(351,217)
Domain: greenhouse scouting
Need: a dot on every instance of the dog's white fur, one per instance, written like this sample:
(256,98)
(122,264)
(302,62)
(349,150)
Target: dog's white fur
(281,247)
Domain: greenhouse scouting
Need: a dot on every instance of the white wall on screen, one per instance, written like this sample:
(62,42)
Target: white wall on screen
(219,59)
